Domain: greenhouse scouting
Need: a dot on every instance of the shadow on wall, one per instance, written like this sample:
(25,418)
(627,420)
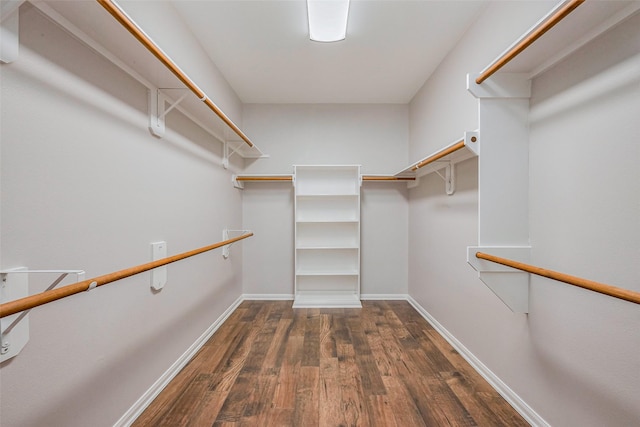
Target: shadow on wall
(71,57)
(611,83)
(92,81)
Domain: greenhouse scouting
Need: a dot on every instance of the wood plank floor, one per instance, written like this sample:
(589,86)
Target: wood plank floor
(382,365)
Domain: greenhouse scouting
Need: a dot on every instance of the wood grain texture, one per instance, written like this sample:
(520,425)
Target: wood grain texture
(382,365)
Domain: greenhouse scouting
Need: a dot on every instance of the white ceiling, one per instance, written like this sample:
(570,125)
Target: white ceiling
(392,46)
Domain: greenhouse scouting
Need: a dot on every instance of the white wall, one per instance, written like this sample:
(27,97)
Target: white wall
(85,186)
(374,136)
(585,220)
(573,359)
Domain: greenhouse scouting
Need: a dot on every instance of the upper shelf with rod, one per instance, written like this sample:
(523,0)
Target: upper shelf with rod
(168,84)
(465,148)
(582,21)
(119,14)
(239,180)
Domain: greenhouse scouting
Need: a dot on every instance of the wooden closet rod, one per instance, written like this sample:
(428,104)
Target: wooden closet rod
(290,178)
(455,147)
(36,300)
(137,32)
(602,288)
(529,39)
(387,178)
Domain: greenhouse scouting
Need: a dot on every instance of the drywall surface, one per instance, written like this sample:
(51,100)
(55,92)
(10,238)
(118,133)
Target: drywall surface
(573,358)
(267,210)
(85,186)
(374,136)
(585,221)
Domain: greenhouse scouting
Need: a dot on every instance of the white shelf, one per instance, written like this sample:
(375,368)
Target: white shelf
(327,236)
(89,23)
(336,208)
(327,273)
(462,149)
(584,24)
(306,299)
(327,195)
(328,221)
(338,283)
(327,180)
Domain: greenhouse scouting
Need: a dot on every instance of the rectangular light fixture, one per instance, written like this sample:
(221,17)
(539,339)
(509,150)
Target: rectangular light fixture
(327,20)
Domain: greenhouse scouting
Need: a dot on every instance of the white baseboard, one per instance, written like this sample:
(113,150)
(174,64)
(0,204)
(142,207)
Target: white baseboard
(267,297)
(388,297)
(145,400)
(509,395)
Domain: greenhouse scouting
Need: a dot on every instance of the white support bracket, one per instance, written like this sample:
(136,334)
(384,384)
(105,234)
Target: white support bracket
(228,152)
(156,112)
(509,284)
(226,249)
(14,329)
(9,30)
(236,183)
(448,178)
(159,274)
(158,109)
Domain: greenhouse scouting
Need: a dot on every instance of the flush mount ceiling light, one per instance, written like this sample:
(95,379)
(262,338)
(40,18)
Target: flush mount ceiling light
(327,19)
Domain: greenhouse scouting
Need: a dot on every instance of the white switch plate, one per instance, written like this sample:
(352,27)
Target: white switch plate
(158,275)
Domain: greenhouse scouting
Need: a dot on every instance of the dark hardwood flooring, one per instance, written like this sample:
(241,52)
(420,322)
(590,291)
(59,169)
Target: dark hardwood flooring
(382,365)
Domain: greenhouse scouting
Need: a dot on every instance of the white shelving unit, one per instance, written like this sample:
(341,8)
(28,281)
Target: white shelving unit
(327,236)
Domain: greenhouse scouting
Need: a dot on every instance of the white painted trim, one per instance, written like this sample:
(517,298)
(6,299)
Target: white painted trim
(390,297)
(267,297)
(145,400)
(507,393)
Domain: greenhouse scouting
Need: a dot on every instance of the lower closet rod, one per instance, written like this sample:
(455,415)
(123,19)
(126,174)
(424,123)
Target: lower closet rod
(26,303)
(602,288)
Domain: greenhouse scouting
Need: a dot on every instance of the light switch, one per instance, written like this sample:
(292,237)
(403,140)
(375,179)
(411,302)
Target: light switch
(158,275)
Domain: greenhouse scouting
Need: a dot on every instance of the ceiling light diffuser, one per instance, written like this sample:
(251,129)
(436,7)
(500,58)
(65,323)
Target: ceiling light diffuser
(327,20)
